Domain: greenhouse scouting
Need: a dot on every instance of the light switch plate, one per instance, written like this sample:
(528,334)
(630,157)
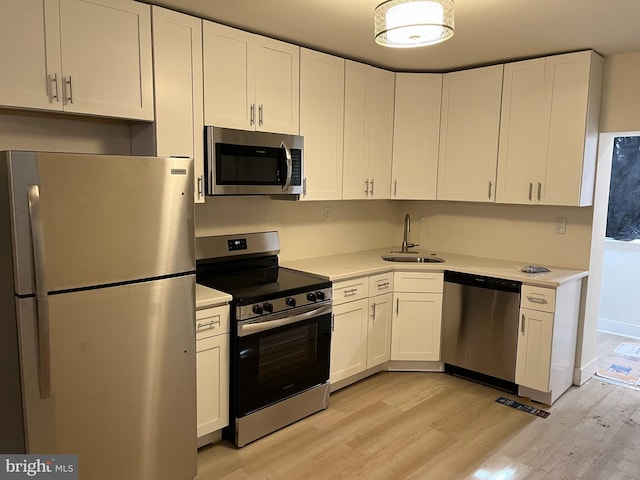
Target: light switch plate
(560,225)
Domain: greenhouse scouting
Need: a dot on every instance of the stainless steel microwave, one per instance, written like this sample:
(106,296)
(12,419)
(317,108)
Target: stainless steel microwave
(241,162)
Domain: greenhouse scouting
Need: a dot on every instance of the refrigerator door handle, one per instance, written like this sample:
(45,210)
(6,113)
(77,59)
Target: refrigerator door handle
(42,300)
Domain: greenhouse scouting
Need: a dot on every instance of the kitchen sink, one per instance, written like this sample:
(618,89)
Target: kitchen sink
(412,258)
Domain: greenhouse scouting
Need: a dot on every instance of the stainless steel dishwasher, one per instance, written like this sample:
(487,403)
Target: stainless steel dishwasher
(480,328)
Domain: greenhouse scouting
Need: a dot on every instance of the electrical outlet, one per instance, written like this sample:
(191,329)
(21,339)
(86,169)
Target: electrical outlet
(560,225)
(421,216)
(327,214)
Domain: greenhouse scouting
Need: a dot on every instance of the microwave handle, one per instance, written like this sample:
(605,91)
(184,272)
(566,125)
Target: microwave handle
(287,153)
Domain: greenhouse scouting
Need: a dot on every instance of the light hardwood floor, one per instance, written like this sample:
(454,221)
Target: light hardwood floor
(403,425)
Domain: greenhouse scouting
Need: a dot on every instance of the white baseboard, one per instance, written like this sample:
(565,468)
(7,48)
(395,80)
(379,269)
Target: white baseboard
(581,375)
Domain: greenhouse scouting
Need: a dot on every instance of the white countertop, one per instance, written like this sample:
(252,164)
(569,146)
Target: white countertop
(208,297)
(349,265)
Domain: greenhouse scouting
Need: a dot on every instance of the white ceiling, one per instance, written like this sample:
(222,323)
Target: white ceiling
(487,31)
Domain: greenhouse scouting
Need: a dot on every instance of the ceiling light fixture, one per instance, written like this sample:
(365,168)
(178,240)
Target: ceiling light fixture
(413,23)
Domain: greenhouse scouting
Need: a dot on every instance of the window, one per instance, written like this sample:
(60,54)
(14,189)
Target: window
(623,218)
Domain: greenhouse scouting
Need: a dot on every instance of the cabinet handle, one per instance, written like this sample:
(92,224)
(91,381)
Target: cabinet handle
(522,324)
(490,188)
(530,190)
(541,301)
(382,285)
(373,314)
(372,187)
(54,80)
(200,181)
(351,292)
(395,188)
(70,83)
(304,186)
(366,187)
(539,191)
(397,306)
(260,115)
(207,326)
(252,115)
(333,316)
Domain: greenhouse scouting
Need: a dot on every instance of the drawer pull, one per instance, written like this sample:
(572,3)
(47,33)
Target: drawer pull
(351,292)
(208,325)
(383,285)
(541,301)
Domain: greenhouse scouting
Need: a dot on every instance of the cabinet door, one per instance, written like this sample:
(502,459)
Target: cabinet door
(277,86)
(415,334)
(533,359)
(416,136)
(469,134)
(229,78)
(379,130)
(177,54)
(355,181)
(212,367)
(379,331)
(567,99)
(106,58)
(522,152)
(348,340)
(322,123)
(31,75)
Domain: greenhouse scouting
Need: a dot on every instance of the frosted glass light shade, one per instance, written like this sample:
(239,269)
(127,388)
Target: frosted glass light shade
(413,23)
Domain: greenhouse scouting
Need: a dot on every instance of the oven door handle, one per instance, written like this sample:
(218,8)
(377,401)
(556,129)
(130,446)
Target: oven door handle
(287,156)
(256,327)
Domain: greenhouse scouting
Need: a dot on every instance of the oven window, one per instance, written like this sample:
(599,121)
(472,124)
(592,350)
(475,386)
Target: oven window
(275,364)
(286,352)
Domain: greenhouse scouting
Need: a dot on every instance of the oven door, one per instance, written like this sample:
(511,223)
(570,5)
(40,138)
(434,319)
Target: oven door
(280,357)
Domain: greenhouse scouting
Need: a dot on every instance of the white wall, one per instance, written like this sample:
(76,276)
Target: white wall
(620,292)
(512,232)
(353,225)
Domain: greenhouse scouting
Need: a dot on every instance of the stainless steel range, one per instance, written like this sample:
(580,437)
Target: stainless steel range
(280,333)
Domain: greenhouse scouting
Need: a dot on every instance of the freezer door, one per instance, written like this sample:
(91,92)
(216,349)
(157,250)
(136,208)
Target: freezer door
(104,219)
(123,380)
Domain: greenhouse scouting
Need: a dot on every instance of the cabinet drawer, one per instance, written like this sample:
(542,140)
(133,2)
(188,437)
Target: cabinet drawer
(350,290)
(380,284)
(212,321)
(538,298)
(419,282)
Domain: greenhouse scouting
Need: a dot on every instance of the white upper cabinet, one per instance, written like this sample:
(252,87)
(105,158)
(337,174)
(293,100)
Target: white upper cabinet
(469,129)
(368,131)
(177,54)
(251,82)
(88,57)
(416,135)
(549,128)
(322,124)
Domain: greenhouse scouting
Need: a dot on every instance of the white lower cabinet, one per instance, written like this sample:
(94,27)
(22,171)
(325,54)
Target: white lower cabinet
(547,340)
(361,333)
(417,317)
(212,367)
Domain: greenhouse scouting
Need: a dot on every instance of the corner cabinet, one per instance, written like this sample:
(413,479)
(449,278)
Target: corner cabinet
(368,132)
(416,132)
(212,371)
(549,130)
(177,66)
(251,82)
(469,130)
(322,124)
(417,318)
(547,339)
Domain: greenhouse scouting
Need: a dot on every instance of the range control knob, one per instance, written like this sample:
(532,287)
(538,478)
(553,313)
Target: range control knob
(291,301)
(267,307)
(311,297)
(257,309)
(320,296)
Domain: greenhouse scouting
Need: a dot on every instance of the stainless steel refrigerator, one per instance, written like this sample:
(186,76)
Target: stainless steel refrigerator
(97,312)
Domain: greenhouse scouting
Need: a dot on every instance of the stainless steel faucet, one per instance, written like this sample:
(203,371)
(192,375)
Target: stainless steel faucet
(407,228)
